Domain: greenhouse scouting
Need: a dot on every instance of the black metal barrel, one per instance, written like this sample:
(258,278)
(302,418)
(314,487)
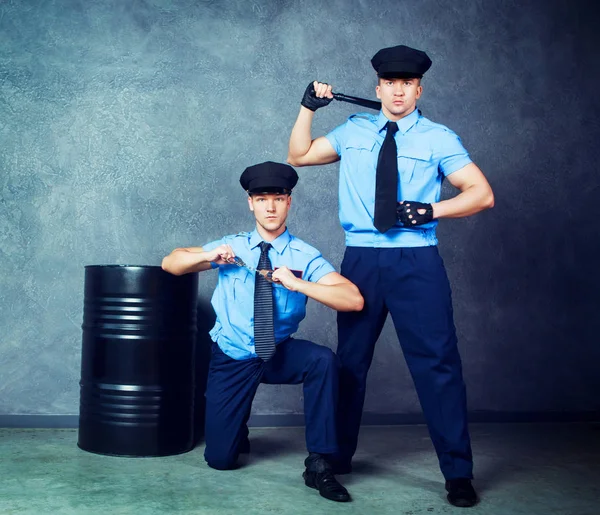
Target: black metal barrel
(137,367)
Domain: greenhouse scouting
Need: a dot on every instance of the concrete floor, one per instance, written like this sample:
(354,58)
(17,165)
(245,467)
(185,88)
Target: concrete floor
(526,469)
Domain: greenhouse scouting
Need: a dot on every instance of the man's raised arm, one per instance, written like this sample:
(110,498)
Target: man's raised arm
(303,150)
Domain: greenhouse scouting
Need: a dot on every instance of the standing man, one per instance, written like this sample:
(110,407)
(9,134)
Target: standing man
(391,172)
(265,277)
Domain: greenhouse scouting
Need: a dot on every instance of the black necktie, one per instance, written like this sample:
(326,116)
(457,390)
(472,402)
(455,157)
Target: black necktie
(386,185)
(264,335)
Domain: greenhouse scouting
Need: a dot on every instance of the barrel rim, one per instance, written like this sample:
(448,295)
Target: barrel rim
(123,266)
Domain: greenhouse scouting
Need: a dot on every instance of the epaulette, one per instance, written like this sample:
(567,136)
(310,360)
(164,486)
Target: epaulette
(238,235)
(429,123)
(362,116)
(298,244)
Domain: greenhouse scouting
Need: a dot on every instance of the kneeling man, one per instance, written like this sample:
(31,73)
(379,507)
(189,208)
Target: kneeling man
(265,277)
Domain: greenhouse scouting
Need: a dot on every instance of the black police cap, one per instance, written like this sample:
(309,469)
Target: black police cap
(269,177)
(399,62)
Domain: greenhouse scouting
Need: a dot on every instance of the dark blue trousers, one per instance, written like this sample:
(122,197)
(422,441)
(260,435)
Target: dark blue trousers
(412,285)
(232,385)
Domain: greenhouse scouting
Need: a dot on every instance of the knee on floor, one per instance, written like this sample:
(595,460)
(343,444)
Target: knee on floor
(221,462)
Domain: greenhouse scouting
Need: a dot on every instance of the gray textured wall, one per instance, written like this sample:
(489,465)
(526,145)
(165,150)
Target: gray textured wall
(124,126)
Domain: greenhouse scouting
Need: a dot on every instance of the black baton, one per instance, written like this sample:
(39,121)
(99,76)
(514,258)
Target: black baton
(370,104)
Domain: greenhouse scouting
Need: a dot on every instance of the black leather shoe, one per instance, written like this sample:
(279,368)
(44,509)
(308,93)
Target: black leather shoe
(341,467)
(461,493)
(318,475)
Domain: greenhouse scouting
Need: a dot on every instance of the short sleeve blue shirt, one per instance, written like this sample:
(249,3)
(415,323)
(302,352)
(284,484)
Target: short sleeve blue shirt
(233,298)
(427,152)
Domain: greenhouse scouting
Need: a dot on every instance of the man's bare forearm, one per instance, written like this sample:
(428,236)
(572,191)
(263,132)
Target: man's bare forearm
(341,297)
(181,261)
(468,202)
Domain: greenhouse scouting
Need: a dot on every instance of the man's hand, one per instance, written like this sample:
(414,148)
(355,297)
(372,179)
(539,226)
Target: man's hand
(412,213)
(222,255)
(317,94)
(285,277)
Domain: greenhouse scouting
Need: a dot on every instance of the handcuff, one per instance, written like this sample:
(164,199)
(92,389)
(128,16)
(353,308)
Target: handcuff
(267,274)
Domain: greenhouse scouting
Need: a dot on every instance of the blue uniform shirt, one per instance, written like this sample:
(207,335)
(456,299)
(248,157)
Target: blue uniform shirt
(427,152)
(233,298)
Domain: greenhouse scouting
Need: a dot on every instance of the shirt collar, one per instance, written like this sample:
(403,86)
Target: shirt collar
(404,124)
(279,243)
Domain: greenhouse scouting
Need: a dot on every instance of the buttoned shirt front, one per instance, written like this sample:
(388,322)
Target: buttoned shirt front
(427,153)
(233,298)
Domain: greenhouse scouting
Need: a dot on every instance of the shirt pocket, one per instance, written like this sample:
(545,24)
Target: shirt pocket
(359,146)
(243,291)
(413,163)
(239,302)
(287,301)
